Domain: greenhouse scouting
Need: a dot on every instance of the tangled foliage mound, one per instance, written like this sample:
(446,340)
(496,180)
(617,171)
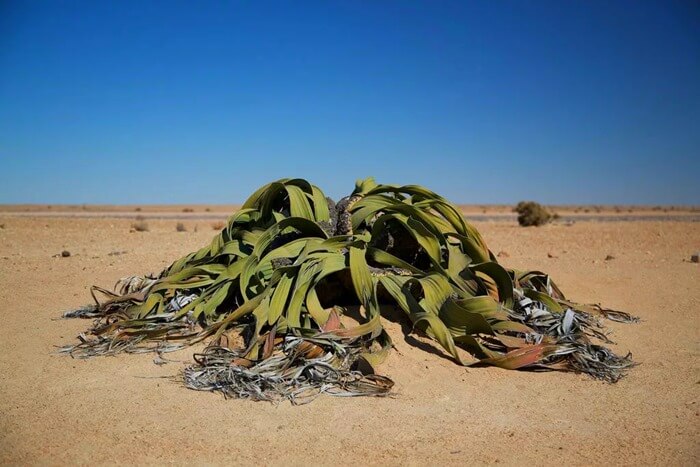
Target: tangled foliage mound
(532,213)
(270,291)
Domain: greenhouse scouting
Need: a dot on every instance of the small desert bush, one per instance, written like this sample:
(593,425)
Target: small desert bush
(532,213)
(188,210)
(218,225)
(180,227)
(140,226)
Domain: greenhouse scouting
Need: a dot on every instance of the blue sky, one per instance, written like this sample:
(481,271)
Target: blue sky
(484,102)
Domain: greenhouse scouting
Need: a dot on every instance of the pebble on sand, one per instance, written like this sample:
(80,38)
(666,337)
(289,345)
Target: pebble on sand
(65,253)
(609,257)
(695,258)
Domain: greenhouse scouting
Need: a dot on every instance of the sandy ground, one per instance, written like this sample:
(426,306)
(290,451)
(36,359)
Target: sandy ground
(55,410)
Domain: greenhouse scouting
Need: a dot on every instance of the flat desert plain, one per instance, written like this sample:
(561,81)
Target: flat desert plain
(57,410)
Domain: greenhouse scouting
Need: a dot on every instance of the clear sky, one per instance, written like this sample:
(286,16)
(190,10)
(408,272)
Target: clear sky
(484,102)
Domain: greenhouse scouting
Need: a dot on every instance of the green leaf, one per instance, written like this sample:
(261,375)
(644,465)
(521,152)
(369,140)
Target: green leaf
(279,298)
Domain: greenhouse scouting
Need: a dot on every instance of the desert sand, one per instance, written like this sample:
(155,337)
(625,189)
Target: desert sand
(125,409)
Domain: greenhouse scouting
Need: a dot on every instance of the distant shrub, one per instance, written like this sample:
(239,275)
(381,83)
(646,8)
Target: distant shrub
(188,210)
(218,225)
(532,213)
(180,227)
(137,209)
(140,226)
